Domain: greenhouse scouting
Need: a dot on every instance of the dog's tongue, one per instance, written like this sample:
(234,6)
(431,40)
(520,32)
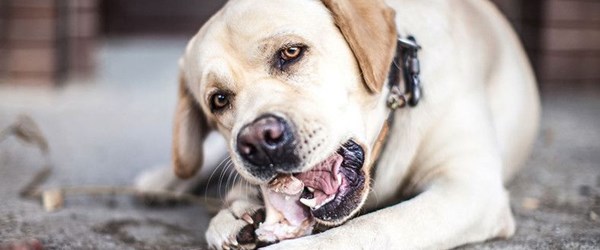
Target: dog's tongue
(323,178)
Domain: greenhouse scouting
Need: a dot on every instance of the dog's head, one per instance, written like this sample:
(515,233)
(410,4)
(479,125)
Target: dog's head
(295,87)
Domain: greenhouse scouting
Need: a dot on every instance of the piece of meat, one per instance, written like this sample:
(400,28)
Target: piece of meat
(286,217)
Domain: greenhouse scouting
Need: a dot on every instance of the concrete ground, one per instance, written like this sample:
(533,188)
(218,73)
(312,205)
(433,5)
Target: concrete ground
(105,131)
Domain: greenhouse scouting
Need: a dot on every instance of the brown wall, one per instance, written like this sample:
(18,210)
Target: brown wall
(570,48)
(43,41)
(28,41)
(561,36)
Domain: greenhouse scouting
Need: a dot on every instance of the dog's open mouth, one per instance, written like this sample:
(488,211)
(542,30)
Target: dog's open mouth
(331,190)
(331,187)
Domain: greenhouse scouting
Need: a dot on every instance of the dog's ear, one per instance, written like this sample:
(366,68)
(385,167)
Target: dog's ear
(189,131)
(370,30)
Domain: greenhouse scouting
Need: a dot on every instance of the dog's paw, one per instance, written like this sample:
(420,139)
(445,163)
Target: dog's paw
(234,228)
(161,180)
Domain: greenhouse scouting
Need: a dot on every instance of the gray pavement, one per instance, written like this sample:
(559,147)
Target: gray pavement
(106,130)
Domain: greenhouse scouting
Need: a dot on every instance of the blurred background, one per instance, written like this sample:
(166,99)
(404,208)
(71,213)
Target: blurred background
(99,78)
(48,42)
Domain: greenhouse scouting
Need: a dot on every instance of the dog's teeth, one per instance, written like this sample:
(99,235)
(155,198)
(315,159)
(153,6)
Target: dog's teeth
(330,198)
(309,202)
(339,179)
(312,190)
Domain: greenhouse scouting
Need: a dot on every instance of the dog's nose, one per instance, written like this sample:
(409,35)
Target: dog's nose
(267,142)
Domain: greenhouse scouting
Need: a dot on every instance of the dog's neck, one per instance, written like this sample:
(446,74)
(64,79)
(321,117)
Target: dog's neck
(406,63)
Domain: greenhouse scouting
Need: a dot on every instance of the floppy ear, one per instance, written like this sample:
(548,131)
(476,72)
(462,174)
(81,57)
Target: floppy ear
(189,131)
(370,30)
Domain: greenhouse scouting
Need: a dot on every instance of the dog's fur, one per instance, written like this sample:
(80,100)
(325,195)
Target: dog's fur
(439,180)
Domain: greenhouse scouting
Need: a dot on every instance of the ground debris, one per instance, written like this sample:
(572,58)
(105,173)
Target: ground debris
(594,216)
(25,244)
(529,203)
(52,199)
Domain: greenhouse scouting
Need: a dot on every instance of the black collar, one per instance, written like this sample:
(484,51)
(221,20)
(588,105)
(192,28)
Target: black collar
(405,62)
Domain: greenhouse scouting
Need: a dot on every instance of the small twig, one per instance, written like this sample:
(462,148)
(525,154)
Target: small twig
(25,129)
(211,204)
(32,187)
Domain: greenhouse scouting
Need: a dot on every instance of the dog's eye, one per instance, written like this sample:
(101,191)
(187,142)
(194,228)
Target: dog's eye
(288,55)
(219,101)
(291,53)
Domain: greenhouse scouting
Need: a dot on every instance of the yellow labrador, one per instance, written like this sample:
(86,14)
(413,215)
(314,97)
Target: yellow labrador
(302,88)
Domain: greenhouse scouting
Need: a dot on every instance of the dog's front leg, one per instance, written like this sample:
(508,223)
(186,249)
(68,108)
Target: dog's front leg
(454,210)
(233,227)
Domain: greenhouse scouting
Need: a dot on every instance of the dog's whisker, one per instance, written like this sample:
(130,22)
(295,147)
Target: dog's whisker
(223,162)
(226,179)
(228,183)
(226,159)
(231,171)
(235,179)
(375,194)
(246,186)
(221,176)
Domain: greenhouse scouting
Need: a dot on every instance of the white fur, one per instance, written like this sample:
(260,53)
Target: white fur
(473,128)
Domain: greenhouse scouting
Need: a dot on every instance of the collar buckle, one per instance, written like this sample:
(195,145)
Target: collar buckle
(407,62)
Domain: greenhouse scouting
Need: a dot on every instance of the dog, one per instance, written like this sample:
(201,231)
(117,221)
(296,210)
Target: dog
(292,84)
